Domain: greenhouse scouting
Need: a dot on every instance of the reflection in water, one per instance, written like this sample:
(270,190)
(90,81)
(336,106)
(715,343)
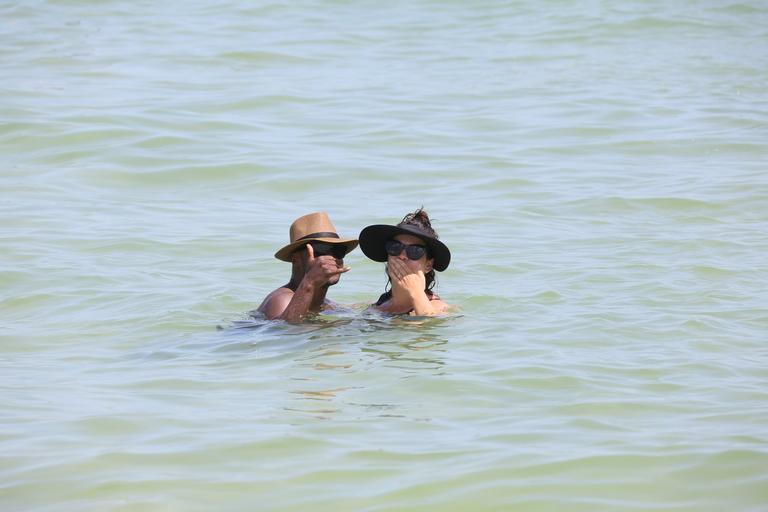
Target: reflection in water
(335,356)
(418,353)
(325,366)
(326,394)
(320,414)
(316,395)
(409,343)
(353,351)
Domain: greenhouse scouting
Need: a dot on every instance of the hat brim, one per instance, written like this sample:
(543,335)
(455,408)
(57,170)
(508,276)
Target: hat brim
(372,239)
(285,253)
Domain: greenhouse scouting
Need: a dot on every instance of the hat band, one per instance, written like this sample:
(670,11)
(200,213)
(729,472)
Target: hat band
(321,234)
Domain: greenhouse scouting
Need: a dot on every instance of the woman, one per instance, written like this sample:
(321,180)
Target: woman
(413,254)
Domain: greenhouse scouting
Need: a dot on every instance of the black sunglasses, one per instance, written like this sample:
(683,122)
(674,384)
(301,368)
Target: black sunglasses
(414,252)
(338,251)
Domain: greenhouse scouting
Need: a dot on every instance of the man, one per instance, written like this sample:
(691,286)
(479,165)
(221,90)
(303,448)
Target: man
(316,253)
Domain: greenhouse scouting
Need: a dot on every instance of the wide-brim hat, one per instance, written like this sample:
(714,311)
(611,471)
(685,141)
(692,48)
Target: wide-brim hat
(373,238)
(313,227)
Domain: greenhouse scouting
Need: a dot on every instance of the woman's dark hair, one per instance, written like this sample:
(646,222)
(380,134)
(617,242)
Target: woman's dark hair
(420,219)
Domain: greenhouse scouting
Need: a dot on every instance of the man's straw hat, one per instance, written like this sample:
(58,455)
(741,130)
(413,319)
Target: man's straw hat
(313,227)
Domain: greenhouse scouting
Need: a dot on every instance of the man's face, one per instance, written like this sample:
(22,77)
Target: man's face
(326,249)
(324,253)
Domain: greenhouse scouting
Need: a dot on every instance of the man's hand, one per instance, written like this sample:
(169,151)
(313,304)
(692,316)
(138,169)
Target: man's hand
(322,269)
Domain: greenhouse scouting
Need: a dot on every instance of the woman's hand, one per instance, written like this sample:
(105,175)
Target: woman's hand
(402,277)
(408,285)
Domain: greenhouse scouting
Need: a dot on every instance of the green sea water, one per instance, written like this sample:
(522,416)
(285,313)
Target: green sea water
(598,169)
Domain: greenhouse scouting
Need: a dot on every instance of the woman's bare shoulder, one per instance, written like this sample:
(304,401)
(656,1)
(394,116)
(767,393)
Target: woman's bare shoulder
(441,306)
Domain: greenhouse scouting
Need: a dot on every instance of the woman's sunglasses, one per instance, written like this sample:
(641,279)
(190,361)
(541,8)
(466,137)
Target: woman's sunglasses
(395,248)
(338,251)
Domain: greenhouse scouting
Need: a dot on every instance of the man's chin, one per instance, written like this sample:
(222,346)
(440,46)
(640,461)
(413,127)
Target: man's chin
(332,281)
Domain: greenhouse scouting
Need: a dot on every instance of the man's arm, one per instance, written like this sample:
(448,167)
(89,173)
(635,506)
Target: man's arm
(290,306)
(301,302)
(285,304)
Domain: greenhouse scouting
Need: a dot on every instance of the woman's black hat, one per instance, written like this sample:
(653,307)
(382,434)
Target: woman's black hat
(373,238)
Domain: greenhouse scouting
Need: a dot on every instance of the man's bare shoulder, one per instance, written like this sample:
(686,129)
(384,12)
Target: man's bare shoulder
(275,303)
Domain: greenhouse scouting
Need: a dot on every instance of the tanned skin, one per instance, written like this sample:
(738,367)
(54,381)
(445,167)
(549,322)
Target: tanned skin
(408,282)
(305,292)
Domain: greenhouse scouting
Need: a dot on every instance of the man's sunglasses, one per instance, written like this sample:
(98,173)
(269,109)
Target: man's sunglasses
(338,251)
(395,248)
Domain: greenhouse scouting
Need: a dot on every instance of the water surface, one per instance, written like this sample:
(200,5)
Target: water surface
(598,171)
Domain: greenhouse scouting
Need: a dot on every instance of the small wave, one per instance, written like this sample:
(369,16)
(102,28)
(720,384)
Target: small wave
(662,204)
(259,57)
(144,174)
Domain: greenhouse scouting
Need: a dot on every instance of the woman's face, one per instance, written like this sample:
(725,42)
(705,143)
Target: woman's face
(423,264)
